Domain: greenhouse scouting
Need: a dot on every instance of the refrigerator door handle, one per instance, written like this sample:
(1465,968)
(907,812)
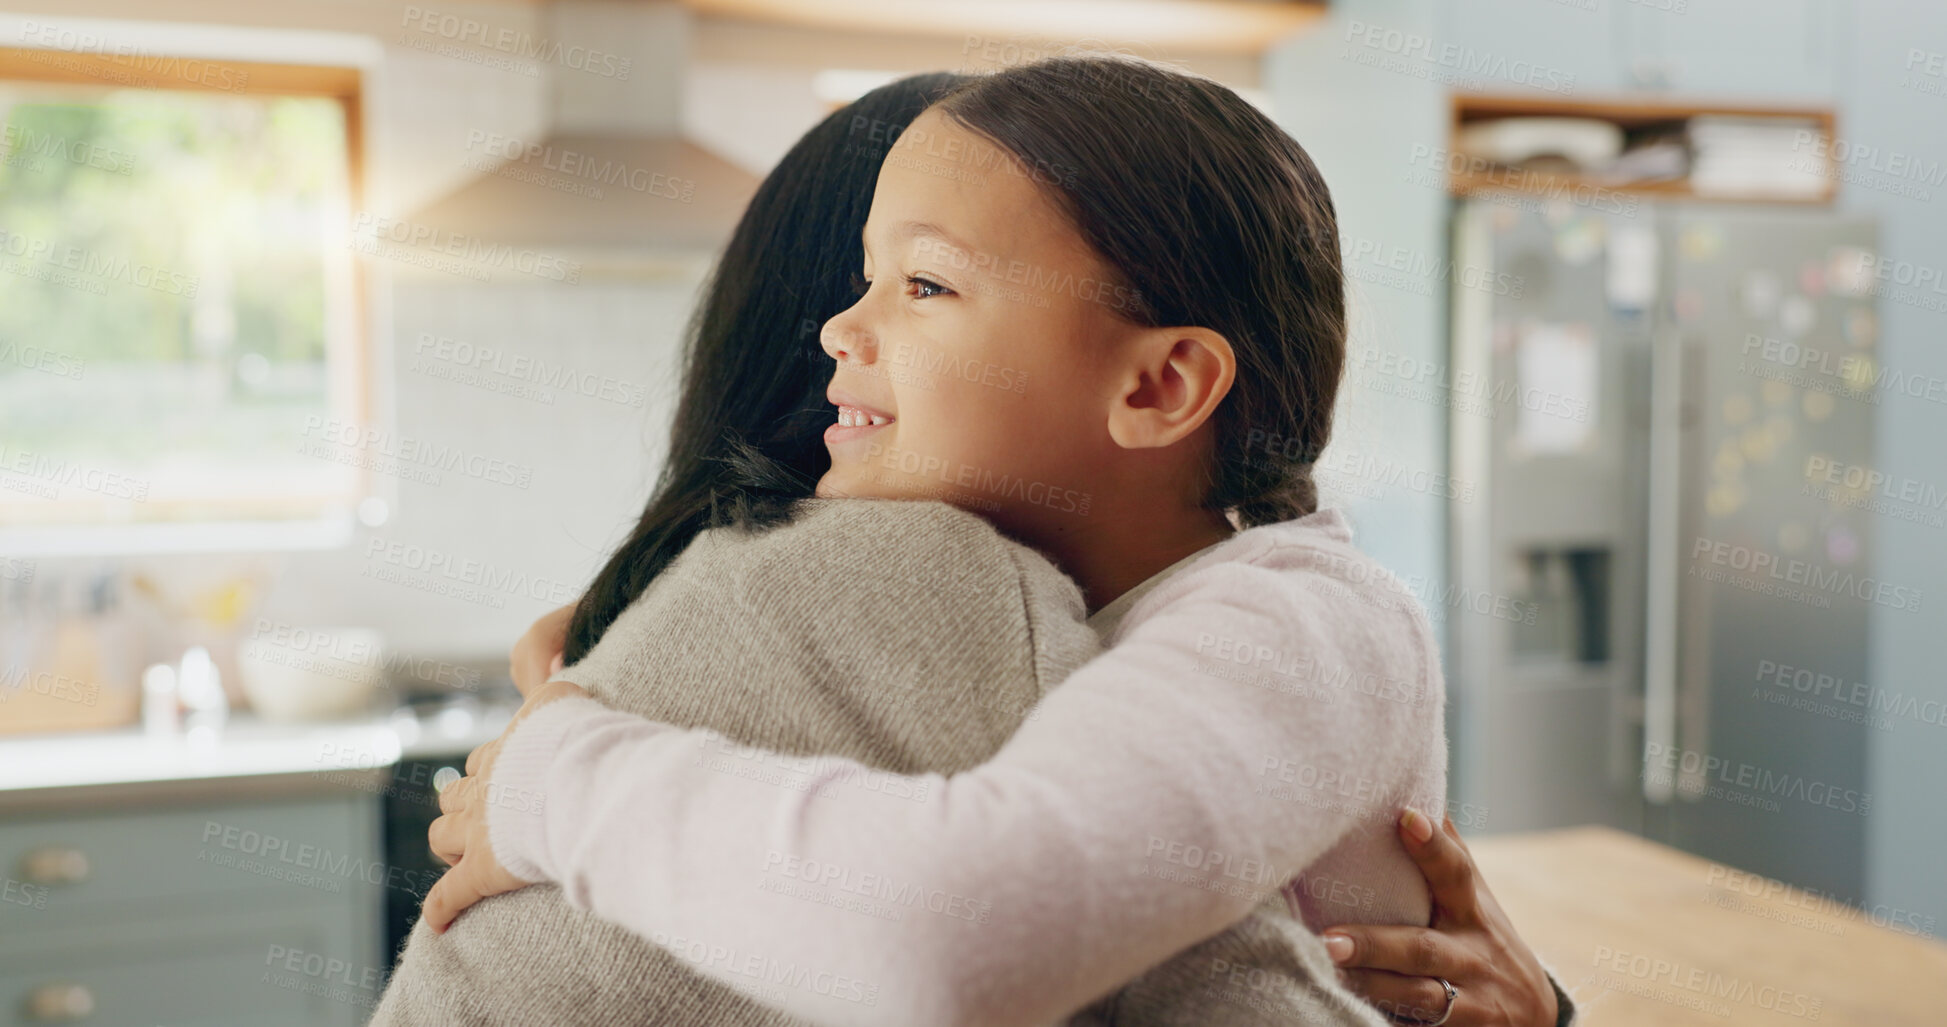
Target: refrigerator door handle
(1662,579)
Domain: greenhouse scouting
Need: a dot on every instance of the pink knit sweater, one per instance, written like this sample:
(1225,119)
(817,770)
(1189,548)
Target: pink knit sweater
(1260,719)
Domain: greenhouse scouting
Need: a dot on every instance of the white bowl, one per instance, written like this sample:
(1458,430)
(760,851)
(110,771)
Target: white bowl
(312,673)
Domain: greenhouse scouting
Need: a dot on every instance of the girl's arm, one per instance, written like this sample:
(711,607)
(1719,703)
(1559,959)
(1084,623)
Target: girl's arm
(1148,803)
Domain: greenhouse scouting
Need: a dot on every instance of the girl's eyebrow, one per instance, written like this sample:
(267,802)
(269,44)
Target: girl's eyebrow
(915,229)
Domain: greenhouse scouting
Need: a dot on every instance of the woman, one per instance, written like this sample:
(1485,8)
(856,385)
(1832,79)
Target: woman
(1481,992)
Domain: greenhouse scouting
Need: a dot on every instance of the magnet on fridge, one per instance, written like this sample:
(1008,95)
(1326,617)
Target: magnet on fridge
(1701,242)
(1862,326)
(1796,316)
(1841,545)
(1760,291)
(1849,270)
(1579,240)
(1818,406)
(1811,279)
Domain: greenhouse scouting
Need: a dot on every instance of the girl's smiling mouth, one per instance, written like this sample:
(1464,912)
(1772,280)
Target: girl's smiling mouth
(854,420)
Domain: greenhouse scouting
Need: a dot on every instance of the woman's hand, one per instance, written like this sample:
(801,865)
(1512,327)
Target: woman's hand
(1471,944)
(536,656)
(459,837)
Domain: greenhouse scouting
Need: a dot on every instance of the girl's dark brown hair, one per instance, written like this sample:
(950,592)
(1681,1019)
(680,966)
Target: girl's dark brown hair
(747,440)
(1216,219)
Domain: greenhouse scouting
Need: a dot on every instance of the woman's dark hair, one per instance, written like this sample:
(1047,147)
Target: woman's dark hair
(1215,218)
(746,441)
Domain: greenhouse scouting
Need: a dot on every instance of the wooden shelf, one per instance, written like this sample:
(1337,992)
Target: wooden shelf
(1477,178)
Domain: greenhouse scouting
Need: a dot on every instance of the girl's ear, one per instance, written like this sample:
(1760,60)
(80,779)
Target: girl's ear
(1170,382)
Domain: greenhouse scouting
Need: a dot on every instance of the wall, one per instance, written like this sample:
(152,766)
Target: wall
(1903,112)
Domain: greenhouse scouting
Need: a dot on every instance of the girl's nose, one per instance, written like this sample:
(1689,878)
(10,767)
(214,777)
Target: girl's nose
(845,339)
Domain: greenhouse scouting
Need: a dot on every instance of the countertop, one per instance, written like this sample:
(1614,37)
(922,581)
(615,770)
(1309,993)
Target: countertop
(1640,933)
(247,757)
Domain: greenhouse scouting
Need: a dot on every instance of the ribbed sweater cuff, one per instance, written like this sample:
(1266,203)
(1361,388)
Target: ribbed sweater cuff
(517,804)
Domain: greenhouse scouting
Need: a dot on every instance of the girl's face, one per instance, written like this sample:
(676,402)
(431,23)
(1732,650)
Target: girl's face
(974,366)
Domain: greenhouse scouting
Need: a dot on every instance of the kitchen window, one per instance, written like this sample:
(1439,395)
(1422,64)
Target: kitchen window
(179,309)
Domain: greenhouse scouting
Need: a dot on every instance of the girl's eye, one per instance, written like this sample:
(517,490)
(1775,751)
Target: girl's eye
(860,284)
(926,288)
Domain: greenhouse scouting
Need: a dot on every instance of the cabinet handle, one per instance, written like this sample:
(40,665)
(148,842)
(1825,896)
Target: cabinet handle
(60,1003)
(54,865)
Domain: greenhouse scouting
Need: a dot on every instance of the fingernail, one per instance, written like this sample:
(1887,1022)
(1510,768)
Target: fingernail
(1339,947)
(1416,824)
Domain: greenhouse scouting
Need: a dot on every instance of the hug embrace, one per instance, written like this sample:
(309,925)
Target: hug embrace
(1034,688)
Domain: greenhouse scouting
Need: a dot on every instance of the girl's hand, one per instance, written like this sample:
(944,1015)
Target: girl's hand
(459,837)
(1497,977)
(536,656)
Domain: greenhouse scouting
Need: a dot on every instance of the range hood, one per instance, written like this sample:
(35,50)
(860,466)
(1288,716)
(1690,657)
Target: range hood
(615,185)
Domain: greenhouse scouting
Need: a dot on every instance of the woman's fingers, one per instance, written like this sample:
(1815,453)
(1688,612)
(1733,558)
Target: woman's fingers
(447,838)
(457,795)
(1401,997)
(480,757)
(1416,951)
(1443,859)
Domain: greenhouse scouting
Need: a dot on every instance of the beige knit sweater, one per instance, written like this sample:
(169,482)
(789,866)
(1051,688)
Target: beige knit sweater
(823,637)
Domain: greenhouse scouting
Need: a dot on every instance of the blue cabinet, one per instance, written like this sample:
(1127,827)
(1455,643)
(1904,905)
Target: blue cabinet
(249,913)
(1763,50)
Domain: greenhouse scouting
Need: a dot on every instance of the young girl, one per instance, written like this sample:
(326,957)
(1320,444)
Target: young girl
(1272,697)
(804,677)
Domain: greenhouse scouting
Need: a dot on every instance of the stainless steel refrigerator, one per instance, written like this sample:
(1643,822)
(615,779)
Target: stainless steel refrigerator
(1666,414)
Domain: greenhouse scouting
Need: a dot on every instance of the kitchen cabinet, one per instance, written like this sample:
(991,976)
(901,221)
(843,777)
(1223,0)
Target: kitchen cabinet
(237,912)
(1733,49)
(1767,50)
